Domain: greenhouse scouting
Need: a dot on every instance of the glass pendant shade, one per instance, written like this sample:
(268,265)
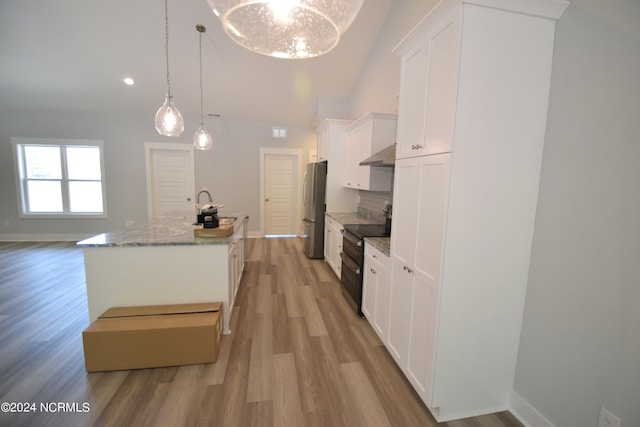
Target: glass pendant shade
(286,28)
(202,139)
(168,119)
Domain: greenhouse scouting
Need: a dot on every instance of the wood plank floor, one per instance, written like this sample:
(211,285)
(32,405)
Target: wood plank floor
(297,356)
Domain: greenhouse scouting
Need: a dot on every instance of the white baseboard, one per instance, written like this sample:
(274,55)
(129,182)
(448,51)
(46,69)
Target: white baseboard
(526,413)
(43,237)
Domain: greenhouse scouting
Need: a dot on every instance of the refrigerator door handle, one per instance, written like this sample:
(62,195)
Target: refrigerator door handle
(304,190)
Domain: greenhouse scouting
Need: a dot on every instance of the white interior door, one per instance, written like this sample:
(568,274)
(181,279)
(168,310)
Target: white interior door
(170,178)
(280,189)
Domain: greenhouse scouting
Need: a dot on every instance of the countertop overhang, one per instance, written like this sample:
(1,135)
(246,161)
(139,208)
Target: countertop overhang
(174,229)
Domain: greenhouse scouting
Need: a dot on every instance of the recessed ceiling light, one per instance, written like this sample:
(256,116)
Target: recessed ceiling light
(128,81)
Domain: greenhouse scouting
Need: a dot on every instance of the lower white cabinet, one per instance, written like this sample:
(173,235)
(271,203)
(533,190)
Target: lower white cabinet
(376,288)
(333,244)
(236,261)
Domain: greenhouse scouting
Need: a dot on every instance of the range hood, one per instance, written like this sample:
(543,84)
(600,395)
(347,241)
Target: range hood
(385,157)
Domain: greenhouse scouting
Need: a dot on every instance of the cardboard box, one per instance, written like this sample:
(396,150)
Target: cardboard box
(125,338)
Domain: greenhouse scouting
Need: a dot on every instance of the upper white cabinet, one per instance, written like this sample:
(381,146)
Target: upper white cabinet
(429,72)
(331,148)
(475,89)
(364,137)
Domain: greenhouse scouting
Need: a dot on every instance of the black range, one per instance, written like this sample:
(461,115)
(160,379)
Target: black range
(353,257)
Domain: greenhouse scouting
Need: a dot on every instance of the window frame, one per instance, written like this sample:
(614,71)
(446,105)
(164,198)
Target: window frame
(19,162)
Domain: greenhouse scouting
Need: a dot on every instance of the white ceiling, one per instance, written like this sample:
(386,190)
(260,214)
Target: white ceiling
(71,55)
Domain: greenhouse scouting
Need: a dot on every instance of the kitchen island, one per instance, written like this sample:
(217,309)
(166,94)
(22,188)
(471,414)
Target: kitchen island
(162,262)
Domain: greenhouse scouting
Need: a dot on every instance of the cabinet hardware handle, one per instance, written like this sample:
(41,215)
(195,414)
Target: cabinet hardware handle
(374,257)
(409,270)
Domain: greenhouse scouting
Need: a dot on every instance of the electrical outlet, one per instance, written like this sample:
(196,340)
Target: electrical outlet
(128,222)
(607,419)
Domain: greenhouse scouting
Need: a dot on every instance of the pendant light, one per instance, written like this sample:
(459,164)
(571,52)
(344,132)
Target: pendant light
(286,28)
(202,138)
(168,119)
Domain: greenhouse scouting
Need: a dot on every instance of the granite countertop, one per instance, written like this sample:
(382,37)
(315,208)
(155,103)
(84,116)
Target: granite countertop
(351,218)
(170,230)
(383,244)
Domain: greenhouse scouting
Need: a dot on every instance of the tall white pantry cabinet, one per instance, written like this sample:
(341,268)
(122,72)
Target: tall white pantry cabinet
(471,126)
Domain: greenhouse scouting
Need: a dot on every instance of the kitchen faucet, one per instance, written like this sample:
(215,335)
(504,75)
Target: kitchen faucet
(198,198)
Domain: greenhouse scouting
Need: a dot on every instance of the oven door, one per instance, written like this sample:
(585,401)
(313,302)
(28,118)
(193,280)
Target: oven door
(352,279)
(352,246)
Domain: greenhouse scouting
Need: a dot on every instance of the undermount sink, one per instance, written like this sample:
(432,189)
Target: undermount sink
(226,220)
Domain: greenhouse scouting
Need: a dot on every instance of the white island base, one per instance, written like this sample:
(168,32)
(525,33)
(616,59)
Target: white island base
(124,272)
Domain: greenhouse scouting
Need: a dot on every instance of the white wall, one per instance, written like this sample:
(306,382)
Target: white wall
(231,170)
(580,343)
(379,83)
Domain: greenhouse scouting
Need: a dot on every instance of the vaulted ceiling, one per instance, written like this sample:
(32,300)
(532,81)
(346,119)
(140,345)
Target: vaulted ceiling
(72,55)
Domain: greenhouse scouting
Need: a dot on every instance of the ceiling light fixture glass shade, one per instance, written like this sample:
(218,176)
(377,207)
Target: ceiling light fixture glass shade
(286,28)
(202,139)
(168,119)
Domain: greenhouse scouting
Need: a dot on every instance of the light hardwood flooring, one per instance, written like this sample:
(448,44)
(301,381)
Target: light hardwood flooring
(297,355)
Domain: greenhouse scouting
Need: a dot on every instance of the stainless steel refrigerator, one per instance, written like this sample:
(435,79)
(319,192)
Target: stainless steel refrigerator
(314,186)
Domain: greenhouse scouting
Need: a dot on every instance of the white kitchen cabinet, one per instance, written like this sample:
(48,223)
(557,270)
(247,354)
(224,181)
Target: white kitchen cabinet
(364,137)
(333,244)
(422,186)
(236,261)
(464,203)
(375,292)
(428,88)
(331,148)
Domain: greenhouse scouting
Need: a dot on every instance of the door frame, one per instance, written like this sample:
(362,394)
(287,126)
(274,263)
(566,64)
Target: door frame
(167,146)
(297,152)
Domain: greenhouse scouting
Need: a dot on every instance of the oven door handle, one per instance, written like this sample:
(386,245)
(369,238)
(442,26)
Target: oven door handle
(350,237)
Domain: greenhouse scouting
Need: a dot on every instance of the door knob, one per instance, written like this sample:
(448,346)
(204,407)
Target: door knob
(188,199)
(266,200)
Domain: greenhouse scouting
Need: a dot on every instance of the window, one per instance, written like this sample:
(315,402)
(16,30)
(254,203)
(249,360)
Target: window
(60,178)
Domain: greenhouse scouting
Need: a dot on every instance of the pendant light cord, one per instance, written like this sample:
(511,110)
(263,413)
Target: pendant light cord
(166,43)
(200,31)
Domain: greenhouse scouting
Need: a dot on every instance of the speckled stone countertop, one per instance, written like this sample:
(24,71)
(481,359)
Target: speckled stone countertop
(383,244)
(170,230)
(351,218)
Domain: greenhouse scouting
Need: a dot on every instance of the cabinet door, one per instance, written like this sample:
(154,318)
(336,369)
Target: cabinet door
(381,309)
(233,274)
(323,135)
(399,312)
(352,155)
(369,285)
(405,210)
(327,239)
(428,91)
(336,259)
(444,48)
(422,337)
(413,98)
(420,202)
(365,138)
(431,195)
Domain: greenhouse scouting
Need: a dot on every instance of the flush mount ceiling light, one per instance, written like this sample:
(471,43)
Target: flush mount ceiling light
(168,119)
(202,138)
(286,28)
